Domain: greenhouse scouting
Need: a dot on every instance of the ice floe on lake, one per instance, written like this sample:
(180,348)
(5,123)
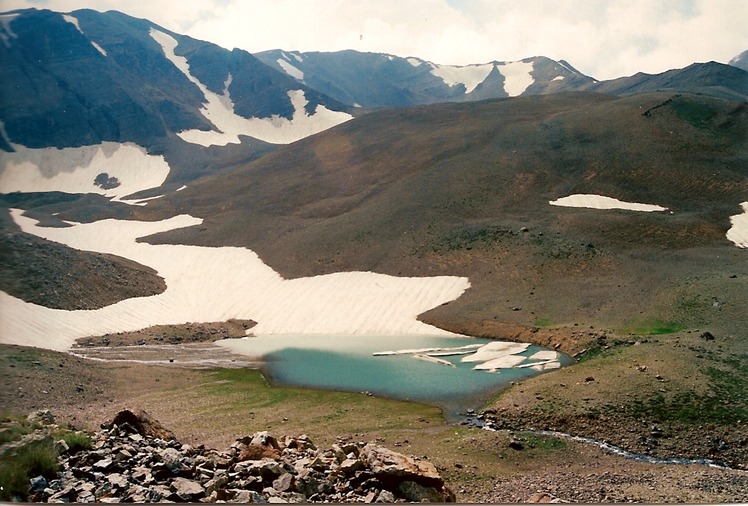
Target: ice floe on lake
(602,202)
(217,284)
(487,357)
(110,169)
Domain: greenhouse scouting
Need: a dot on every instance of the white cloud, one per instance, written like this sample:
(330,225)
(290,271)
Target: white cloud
(602,38)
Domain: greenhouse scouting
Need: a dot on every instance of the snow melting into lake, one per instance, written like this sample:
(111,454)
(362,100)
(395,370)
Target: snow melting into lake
(488,357)
(219,110)
(218,284)
(738,233)
(601,202)
(75,170)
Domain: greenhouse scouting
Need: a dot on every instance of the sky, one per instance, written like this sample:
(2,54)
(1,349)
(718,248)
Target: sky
(604,39)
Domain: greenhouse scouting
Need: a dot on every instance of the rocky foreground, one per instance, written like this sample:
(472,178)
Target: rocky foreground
(134,459)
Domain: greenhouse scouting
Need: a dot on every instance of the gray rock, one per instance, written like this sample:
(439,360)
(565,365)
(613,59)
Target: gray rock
(385,496)
(285,482)
(38,484)
(187,490)
(117,480)
(103,464)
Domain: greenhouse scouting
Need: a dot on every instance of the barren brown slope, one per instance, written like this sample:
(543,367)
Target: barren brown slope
(446,189)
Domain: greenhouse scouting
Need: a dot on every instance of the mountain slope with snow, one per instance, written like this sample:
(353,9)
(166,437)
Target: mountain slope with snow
(384,80)
(86,77)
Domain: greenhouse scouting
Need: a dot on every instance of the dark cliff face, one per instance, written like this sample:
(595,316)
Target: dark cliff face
(109,80)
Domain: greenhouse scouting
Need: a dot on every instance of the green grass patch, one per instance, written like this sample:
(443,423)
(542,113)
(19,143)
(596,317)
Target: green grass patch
(654,328)
(725,401)
(13,427)
(697,114)
(542,442)
(543,322)
(29,461)
(77,441)
(244,395)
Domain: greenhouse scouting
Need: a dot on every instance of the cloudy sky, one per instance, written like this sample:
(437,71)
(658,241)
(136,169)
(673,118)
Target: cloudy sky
(601,38)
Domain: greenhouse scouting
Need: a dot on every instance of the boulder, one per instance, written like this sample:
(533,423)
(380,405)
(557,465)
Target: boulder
(187,490)
(143,424)
(390,466)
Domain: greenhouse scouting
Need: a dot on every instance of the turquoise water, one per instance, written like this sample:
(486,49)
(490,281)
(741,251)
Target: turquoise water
(346,363)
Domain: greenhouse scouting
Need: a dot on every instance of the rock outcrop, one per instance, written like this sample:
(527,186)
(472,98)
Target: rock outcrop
(134,459)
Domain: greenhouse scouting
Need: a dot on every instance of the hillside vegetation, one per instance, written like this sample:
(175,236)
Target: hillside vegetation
(464,189)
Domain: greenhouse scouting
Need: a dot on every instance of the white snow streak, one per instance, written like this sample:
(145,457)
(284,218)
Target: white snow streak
(517,77)
(74,21)
(219,110)
(738,233)
(558,78)
(415,62)
(73,170)
(217,284)
(469,76)
(291,70)
(601,202)
(6,33)
(99,48)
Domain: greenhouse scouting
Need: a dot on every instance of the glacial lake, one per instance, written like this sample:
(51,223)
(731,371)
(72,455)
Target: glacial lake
(348,363)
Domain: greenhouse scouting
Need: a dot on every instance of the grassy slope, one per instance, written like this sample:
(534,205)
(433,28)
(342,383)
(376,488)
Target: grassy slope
(445,190)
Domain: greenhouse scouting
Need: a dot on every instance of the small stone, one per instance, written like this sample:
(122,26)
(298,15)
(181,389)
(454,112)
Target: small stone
(38,484)
(103,464)
(385,496)
(516,444)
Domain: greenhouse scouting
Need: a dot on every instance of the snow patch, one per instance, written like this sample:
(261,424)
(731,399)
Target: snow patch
(291,70)
(298,57)
(469,76)
(601,202)
(219,110)
(217,284)
(6,32)
(738,233)
(414,62)
(517,76)
(127,167)
(558,78)
(181,188)
(74,21)
(99,48)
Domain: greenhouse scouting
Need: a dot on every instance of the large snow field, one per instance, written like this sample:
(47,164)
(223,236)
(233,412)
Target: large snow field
(74,170)
(517,75)
(738,233)
(601,202)
(219,110)
(470,75)
(216,284)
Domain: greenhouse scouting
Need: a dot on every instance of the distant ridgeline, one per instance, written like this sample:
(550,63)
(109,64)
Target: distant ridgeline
(88,77)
